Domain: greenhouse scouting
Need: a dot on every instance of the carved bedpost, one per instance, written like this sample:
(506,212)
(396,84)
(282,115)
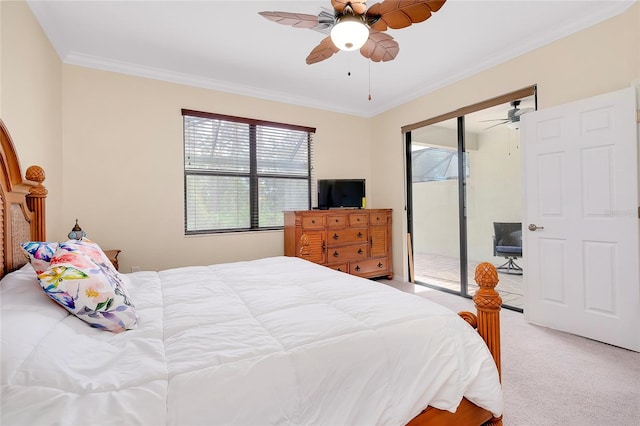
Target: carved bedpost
(36,202)
(488,303)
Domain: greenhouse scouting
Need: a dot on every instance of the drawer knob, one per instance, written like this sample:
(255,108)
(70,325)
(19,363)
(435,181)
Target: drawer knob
(336,254)
(336,236)
(359,251)
(313,221)
(358,268)
(359,234)
(380,265)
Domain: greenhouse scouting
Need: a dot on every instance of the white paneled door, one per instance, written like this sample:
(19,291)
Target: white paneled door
(580,228)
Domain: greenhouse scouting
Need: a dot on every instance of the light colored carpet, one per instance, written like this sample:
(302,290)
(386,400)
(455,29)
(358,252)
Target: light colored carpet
(553,378)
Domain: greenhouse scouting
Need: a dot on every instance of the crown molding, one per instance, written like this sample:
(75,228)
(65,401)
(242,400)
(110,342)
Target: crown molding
(143,71)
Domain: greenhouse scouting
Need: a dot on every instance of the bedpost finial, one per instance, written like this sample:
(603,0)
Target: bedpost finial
(486,275)
(487,278)
(35,174)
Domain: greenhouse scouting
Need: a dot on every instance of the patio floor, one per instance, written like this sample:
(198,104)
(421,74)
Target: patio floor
(443,271)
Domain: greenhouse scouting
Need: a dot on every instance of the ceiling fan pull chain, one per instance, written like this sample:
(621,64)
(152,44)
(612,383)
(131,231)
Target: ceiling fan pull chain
(369,61)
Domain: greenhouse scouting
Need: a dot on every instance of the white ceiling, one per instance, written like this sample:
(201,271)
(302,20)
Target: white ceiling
(227,46)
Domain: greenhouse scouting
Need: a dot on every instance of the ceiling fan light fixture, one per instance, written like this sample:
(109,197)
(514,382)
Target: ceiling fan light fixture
(514,125)
(349,33)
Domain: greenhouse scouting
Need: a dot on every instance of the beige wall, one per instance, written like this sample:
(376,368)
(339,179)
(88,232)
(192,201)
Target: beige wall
(31,99)
(114,142)
(123,174)
(597,60)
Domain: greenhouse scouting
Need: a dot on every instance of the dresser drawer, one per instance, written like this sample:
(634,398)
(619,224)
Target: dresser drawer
(347,253)
(378,218)
(346,236)
(372,267)
(337,221)
(313,222)
(358,219)
(342,267)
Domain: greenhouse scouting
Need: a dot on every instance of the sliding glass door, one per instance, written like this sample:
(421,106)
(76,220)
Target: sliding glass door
(464,195)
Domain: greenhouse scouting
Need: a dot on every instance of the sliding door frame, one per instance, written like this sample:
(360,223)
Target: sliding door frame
(459,115)
(462,210)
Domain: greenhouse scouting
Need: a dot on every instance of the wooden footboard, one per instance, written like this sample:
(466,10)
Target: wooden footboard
(467,414)
(487,321)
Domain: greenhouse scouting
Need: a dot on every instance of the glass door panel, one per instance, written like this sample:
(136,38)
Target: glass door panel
(435,205)
(493,198)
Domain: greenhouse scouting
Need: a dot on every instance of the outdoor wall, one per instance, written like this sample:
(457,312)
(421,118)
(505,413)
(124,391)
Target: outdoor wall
(493,194)
(435,203)
(494,189)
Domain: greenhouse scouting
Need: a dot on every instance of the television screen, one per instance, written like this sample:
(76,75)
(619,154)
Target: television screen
(336,193)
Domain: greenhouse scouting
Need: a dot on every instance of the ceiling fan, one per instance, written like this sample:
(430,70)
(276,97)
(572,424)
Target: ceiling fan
(513,116)
(354,26)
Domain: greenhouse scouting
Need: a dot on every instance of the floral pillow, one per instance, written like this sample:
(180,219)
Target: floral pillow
(40,254)
(92,250)
(80,280)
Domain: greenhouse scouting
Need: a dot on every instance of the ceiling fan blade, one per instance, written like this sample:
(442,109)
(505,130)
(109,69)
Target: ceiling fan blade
(297,20)
(401,14)
(380,47)
(358,6)
(499,124)
(497,119)
(519,112)
(323,51)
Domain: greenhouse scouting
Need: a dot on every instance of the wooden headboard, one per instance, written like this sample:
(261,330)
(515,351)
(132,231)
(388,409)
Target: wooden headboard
(22,205)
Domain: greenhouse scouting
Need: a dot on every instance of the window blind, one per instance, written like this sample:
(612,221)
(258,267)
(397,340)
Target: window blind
(241,174)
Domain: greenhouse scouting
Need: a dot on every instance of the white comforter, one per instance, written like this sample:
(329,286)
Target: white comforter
(272,341)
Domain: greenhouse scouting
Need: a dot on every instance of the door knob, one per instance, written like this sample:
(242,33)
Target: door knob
(533,227)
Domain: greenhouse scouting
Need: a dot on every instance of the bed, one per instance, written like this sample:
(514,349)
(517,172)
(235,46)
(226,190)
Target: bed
(271,341)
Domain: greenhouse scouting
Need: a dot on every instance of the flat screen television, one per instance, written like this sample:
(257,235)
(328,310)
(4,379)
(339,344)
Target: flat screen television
(341,193)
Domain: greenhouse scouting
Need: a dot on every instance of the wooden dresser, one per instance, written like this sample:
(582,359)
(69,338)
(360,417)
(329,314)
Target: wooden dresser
(354,241)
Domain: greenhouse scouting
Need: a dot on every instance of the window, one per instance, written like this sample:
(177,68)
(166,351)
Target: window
(241,174)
